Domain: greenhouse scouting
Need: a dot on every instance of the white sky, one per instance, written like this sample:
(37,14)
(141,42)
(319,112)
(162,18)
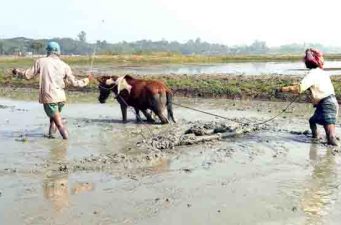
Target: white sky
(224,21)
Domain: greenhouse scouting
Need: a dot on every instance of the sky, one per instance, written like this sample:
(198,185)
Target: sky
(230,22)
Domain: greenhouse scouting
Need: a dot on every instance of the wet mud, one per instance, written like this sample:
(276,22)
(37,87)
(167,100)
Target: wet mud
(201,170)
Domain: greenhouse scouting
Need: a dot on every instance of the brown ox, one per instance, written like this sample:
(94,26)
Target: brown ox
(141,94)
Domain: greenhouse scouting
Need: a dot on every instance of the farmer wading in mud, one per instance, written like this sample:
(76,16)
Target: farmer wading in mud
(323,95)
(53,73)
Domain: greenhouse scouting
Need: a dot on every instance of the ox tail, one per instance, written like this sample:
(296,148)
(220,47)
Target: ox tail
(169,97)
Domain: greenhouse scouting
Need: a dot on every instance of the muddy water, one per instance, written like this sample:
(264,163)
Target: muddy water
(275,176)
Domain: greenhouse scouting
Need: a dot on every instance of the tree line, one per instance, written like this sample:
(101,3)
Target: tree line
(79,46)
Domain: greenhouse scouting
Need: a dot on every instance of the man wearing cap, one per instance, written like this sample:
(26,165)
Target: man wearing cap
(323,95)
(53,73)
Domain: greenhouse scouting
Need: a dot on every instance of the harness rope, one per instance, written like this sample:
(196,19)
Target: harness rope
(122,100)
(234,120)
(280,113)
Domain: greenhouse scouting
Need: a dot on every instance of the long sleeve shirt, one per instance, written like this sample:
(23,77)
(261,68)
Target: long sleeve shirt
(319,83)
(53,73)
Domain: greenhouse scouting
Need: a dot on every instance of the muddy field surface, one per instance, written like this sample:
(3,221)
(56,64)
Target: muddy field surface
(201,170)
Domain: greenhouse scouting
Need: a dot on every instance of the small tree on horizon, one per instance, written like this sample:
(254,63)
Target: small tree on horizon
(1,48)
(82,36)
(36,46)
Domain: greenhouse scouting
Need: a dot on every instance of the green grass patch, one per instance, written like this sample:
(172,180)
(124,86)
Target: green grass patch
(219,86)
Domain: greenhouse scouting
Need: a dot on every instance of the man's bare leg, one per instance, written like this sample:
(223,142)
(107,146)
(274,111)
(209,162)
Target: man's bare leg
(313,128)
(331,134)
(57,119)
(52,129)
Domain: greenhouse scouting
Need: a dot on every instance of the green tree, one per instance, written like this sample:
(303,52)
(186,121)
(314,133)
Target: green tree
(82,36)
(37,46)
(258,47)
(1,48)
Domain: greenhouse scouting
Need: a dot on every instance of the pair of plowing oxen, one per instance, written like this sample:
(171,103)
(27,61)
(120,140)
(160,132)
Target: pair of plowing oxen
(147,96)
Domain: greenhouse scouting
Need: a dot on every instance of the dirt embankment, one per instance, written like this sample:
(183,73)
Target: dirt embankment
(260,87)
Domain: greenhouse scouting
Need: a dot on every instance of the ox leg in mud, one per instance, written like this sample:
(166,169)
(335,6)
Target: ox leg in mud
(170,114)
(124,112)
(158,103)
(148,116)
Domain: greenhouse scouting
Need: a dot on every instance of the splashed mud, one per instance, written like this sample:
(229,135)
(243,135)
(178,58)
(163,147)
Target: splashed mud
(201,132)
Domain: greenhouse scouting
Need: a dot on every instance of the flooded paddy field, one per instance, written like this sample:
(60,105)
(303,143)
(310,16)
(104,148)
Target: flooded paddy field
(231,68)
(179,65)
(108,173)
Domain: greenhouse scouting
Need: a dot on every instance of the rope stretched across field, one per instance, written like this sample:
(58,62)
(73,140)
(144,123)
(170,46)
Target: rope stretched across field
(234,120)
(208,113)
(284,110)
(204,112)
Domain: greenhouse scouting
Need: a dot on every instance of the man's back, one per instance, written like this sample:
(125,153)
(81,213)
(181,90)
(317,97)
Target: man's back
(52,72)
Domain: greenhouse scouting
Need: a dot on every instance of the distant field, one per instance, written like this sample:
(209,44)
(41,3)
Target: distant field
(161,58)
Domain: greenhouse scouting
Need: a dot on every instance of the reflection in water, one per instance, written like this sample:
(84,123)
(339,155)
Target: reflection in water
(160,165)
(322,189)
(82,187)
(56,184)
